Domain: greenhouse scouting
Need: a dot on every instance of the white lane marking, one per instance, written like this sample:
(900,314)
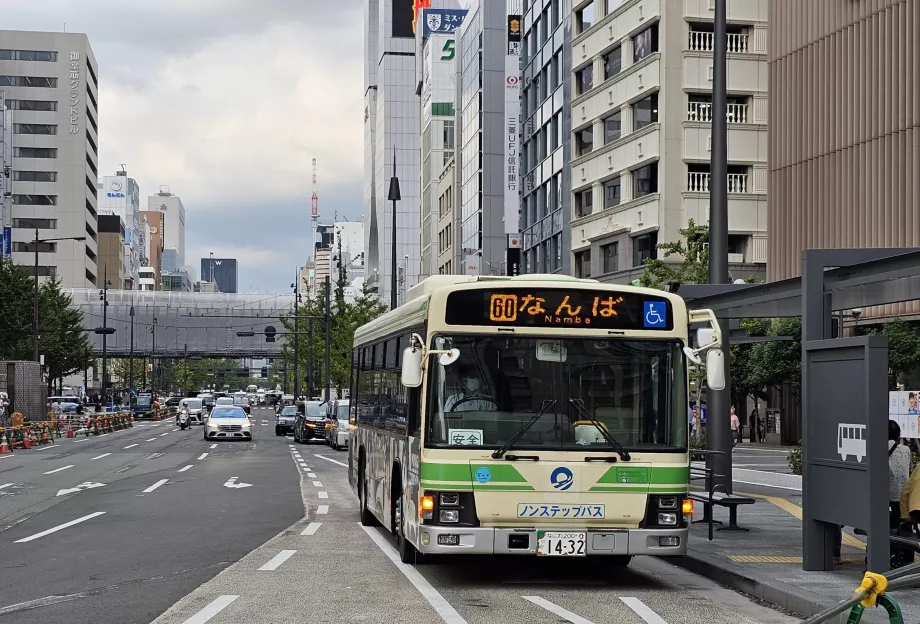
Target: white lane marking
(103,435)
(329,459)
(99,456)
(557,610)
(184,468)
(312,475)
(312,528)
(83,440)
(642,610)
(164,434)
(277,560)
(151,440)
(218,605)
(323,494)
(322,510)
(59,527)
(434,598)
(40,602)
(130,446)
(47,447)
(6,485)
(202,456)
(232,484)
(86,485)
(64,468)
(155,486)
(213,446)
(174,430)
(291,445)
(317,484)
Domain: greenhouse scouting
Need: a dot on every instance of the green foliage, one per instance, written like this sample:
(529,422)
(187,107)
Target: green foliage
(17,288)
(795,459)
(697,443)
(694,252)
(903,348)
(773,364)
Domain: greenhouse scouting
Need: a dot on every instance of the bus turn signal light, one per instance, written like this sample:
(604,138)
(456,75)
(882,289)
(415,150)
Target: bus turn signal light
(687,507)
(426,507)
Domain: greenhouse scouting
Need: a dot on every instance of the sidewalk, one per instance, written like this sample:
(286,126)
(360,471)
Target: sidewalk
(766,562)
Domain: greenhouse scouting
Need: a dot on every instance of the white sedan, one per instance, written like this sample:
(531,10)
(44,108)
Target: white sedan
(228,422)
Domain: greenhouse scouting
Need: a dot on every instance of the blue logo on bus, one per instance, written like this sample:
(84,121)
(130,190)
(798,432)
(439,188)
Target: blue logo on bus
(483,474)
(656,314)
(562,478)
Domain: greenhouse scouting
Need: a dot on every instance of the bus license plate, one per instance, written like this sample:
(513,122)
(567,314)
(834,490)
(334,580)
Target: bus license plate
(558,544)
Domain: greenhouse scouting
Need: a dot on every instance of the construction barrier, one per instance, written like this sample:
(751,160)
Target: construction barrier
(26,435)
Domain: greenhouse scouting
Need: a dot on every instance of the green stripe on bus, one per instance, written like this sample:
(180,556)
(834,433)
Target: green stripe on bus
(645,475)
(477,487)
(674,489)
(502,473)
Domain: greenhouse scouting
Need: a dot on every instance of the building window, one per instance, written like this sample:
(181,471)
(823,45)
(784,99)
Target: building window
(35,152)
(32,105)
(448,135)
(645,43)
(645,247)
(611,257)
(612,128)
(612,5)
(35,200)
(27,55)
(34,129)
(584,79)
(585,140)
(30,247)
(645,111)
(583,264)
(584,203)
(35,224)
(584,17)
(28,81)
(613,63)
(612,192)
(646,180)
(43,271)
(35,176)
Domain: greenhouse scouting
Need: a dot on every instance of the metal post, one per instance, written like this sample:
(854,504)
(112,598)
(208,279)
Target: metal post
(297,336)
(131,352)
(105,320)
(328,340)
(718,423)
(393,196)
(186,371)
(309,359)
(153,358)
(35,305)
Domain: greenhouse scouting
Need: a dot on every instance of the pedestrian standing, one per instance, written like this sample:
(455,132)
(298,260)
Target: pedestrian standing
(736,427)
(898,471)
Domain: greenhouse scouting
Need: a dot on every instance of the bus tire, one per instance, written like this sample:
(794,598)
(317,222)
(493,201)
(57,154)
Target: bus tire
(367,518)
(407,552)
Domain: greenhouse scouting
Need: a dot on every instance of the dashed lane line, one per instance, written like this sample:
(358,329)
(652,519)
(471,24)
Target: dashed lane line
(130,446)
(312,475)
(60,469)
(44,448)
(202,456)
(151,440)
(555,609)
(322,510)
(213,446)
(312,528)
(155,486)
(317,484)
(642,610)
(183,469)
(99,456)
(275,562)
(6,485)
(329,459)
(434,598)
(323,494)
(164,434)
(59,527)
(219,604)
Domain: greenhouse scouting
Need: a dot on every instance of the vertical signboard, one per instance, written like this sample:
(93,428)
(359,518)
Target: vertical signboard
(74,92)
(7,241)
(512,118)
(513,255)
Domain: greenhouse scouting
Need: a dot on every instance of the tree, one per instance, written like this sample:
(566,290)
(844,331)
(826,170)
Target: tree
(63,342)
(903,348)
(694,265)
(777,363)
(17,288)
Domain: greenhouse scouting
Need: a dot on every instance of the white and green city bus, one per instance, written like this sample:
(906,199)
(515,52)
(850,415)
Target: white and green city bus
(533,415)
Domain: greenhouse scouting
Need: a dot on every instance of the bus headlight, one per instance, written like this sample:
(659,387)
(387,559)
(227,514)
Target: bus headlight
(449,499)
(667,519)
(450,515)
(667,502)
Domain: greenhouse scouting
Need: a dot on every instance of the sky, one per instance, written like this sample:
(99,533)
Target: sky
(227,102)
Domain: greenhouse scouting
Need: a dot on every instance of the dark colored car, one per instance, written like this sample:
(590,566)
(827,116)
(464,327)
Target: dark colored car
(284,422)
(310,425)
(143,406)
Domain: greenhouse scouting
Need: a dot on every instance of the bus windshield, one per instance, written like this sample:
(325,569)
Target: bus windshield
(636,389)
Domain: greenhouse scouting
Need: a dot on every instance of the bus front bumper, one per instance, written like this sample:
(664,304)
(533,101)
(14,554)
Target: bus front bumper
(444,540)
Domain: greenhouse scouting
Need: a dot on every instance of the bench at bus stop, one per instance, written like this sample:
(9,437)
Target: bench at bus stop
(712,496)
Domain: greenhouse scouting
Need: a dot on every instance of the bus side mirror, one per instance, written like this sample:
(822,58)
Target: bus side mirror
(715,369)
(412,367)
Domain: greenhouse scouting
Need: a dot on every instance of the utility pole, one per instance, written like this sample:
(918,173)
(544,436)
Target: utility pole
(328,321)
(296,286)
(394,197)
(153,357)
(131,352)
(104,295)
(185,363)
(719,401)
(35,306)
(309,359)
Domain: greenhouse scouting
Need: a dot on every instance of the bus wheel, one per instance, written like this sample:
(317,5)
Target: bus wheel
(407,552)
(367,518)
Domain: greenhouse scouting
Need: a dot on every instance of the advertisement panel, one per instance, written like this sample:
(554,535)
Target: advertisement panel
(512,118)
(438,80)
(442,21)
(904,409)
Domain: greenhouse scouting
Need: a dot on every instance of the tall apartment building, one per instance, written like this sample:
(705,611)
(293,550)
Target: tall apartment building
(845,130)
(120,195)
(546,124)
(50,86)
(222,272)
(155,222)
(112,243)
(641,112)
(174,220)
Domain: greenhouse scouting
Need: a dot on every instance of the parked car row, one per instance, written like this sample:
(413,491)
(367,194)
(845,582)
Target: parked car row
(320,420)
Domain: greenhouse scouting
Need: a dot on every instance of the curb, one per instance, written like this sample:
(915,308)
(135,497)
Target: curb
(783,595)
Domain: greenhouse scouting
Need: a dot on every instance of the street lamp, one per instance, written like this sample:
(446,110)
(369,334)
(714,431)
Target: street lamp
(153,357)
(35,244)
(296,287)
(394,197)
(104,297)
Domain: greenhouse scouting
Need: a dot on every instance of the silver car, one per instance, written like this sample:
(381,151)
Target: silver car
(194,407)
(228,422)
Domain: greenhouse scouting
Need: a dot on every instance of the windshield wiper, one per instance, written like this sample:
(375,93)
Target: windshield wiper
(580,406)
(547,406)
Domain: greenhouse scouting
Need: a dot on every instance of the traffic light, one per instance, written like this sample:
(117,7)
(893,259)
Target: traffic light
(264,372)
(242,372)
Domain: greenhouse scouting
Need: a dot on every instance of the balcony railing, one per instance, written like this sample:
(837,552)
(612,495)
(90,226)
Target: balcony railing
(702,111)
(699,182)
(701,41)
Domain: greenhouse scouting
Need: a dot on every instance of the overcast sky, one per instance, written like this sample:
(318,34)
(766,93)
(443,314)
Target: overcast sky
(227,102)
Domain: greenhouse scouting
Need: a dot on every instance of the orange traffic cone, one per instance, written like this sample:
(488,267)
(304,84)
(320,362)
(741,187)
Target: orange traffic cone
(70,428)
(45,439)
(27,439)
(4,445)
(34,438)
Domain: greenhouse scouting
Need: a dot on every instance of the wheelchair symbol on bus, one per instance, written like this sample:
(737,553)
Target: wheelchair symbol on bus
(656,314)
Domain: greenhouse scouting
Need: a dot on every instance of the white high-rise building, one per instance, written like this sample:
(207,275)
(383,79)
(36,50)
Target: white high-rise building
(351,235)
(120,195)
(173,219)
(50,88)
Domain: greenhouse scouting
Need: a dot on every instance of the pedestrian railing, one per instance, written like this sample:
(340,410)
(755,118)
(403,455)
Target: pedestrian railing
(873,592)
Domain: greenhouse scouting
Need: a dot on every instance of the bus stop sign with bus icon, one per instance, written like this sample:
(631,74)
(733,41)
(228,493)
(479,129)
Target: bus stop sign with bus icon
(851,440)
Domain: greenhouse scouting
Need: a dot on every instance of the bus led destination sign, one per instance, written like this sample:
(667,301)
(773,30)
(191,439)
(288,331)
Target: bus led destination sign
(556,307)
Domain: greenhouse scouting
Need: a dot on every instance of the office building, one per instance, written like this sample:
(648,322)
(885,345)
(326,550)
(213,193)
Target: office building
(173,210)
(488,136)
(120,195)
(351,237)
(50,87)
(178,281)
(221,271)
(641,110)
(112,243)
(155,222)
(845,132)
(147,279)
(325,233)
